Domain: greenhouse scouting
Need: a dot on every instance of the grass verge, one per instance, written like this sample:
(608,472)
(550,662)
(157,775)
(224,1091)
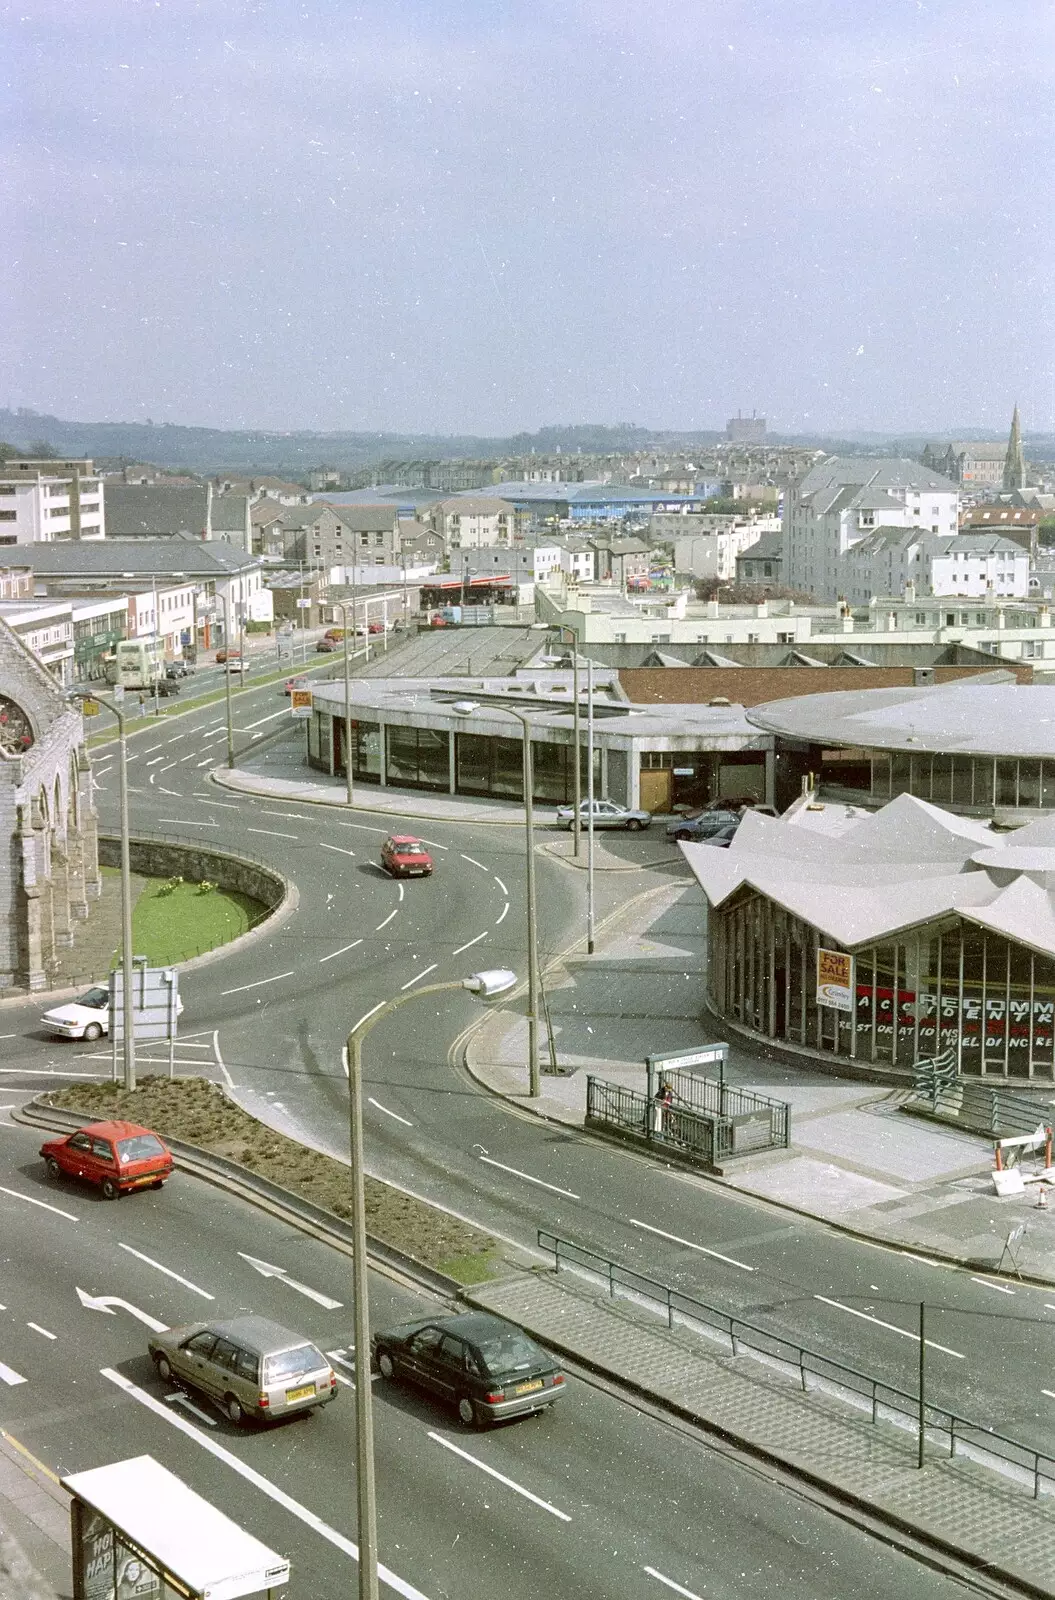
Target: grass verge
(197,1111)
(174,920)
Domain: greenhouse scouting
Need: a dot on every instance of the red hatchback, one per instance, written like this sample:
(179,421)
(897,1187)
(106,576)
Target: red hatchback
(405,857)
(118,1156)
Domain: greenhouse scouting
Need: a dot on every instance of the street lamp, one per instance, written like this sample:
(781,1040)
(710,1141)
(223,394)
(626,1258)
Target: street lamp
(227,679)
(576,827)
(128,1041)
(342,606)
(488,985)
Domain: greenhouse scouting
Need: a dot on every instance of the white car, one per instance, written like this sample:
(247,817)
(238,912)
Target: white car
(87,1017)
(606,814)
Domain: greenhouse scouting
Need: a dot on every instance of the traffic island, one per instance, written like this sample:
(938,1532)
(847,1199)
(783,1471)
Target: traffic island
(199,1113)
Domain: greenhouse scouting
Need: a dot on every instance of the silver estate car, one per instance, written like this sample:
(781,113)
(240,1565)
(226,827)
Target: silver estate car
(606,814)
(249,1366)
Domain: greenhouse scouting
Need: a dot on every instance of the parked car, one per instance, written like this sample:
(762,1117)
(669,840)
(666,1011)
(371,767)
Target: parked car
(249,1366)
(236,664)
(118,1156)
(167,686)
(405,857)
(724,837)
(702,825)
(178,669)
(87,1017)
(485,1368)
(223,655)
(327,646)
(606,814)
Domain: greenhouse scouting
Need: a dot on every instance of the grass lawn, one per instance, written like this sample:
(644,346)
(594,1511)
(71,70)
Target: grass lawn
(169,926)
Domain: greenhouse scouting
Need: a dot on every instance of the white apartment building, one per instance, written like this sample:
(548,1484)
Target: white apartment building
(713,553)
(166,611)
(468,521)
(42,501)
(972,565)
(843,500)
(46,628)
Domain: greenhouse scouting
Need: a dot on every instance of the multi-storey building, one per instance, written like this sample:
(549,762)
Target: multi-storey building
(843,500)
(474,521)
(974,565)
(41,501)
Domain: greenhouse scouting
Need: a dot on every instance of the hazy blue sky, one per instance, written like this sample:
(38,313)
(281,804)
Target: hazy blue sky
(467,215)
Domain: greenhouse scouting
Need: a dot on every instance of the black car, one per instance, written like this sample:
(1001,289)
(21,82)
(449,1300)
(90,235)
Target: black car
(177,669)
(486,1369)
(166,687)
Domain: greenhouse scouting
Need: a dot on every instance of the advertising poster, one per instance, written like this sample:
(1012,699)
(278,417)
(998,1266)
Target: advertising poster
(835,980)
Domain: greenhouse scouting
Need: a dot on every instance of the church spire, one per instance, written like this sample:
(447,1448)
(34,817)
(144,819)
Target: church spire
(1014,462)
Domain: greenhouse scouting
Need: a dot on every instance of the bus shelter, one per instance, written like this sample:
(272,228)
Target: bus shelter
(139,1533)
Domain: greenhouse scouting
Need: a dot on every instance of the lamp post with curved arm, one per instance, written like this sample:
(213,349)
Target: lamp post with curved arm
(227,678)
(488,985)
(562,628)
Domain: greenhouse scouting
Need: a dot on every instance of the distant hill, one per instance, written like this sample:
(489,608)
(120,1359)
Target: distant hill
(211,450)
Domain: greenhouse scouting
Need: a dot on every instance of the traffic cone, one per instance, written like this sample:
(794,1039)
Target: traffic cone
(1042,1197)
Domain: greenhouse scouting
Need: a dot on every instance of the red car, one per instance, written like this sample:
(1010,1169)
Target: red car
(405,857)
(118,1156)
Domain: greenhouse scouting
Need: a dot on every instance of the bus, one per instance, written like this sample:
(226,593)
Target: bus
(136,663)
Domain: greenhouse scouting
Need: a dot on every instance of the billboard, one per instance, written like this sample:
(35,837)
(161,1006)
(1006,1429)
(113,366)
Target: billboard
(835,979)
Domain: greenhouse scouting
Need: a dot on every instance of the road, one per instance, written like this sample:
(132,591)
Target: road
(279,1010)
(594,1499)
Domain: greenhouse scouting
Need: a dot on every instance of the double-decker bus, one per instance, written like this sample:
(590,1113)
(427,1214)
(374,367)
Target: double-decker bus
(136,663)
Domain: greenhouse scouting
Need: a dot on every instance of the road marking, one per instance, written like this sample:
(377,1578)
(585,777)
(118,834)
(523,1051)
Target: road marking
(28,1198)
(337,847)
(228,805)
(999,1287)
(188,1405)
(393,1114)
(46,1072)
(179,821)
(149,751)
(422,974)
(9,1376)
(109,1304)
(891,1327)
(206,763)
(501,1477)
(471,942)
(266,1270)
(290,816)
(528,1178)
(343,951)
(173,793)
(689,1245)
(1049,1392)
(272,833)
(402,891)
(259,984)
(38,1329)
(218,1058)
(505,913)
(166,1270)
(168,768)
(272,718)
(213,1446)
(1048,1307)
(688,1594)
(474,863)
(387,920)
(156,758)
(502,886)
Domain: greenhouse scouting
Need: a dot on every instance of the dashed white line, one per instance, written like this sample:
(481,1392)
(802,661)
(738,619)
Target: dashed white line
(173,793)
(393,1114)
(166,1270)
(688,1594)
(190,823)
(387,920)
(402,891)
(290,816)
(891,1327)
(272,833)
(510,1483)
(259,984)
(473,862)
(505,913)
(324,846)
(470,943)
(228,805)
(342,951)
(257,1479)
(149,751)
(689,1245)
(502,886)
(38,1329)
(156,758)
(206,763)
(1049,1392)
(999,1287)
(9,1376)
(418,976)
(272,718)
(43,1204)
(188,1405)
(528,1178)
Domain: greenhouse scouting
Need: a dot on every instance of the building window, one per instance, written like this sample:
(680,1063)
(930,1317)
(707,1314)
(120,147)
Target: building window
(8,516)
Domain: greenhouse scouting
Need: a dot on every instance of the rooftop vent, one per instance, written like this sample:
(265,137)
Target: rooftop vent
(719,700)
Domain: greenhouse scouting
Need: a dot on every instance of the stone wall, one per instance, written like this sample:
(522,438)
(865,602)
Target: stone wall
(154,858)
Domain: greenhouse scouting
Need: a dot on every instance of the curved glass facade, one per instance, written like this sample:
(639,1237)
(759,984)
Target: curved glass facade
(963,783)
(948,985)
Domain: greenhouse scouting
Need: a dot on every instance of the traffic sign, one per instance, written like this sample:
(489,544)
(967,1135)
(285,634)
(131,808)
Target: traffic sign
(155,1002)
(90,708)
(303,605)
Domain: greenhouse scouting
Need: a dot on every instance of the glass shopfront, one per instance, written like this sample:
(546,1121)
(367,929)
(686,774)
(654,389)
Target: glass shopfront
(418,758)
(950,986)
(960,782)
(366,750)
(488,765)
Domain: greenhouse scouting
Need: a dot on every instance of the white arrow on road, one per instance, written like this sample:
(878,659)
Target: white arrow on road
(109,1304)
(267,1271)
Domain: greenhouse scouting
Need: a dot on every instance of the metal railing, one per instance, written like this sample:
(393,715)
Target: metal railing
(975,1106)
(705,1122)
(715,1098)
(881,1400)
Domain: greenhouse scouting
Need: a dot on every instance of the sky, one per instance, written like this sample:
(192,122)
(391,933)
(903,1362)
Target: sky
(483,216)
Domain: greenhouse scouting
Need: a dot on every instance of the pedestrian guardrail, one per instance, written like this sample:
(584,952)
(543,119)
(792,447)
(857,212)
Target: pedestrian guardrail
(975,1106)
(704,1121)
(881,1400)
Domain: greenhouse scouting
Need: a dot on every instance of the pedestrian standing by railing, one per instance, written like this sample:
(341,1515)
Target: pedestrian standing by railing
(662,1100)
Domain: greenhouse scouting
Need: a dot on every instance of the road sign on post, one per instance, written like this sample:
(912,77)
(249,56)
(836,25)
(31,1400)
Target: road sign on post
(707,1055)
(155,1002)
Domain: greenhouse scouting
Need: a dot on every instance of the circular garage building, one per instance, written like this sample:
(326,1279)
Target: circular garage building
(982,748)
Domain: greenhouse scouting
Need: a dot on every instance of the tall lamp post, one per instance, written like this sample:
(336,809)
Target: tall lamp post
(127,1017)
(342,606)
(576,827)
(488,985)
(227,678)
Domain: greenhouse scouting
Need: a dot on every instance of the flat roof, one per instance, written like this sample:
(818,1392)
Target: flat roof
(963,717)
(186,1534)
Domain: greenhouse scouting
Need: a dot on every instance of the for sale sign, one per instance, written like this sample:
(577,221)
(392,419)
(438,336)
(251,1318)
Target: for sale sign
(835,979)
(300,702)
